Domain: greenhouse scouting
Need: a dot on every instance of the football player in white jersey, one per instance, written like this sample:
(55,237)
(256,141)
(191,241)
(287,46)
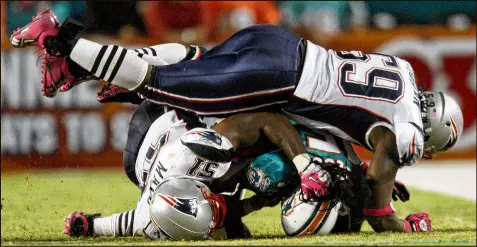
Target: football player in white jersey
(369,99)
(269,175)
(171,150)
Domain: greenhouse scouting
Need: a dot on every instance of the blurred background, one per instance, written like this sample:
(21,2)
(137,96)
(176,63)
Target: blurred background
(74,130)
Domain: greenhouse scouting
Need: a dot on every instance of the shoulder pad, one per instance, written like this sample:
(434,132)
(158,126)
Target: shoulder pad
(409,141)
(208,144)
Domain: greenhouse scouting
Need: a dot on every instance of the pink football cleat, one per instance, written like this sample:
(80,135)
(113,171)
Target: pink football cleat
(54,74)
(45,24)
(112,93)
(69,84)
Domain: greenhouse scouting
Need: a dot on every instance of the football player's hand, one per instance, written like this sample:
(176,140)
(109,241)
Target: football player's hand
(400,191)
(314,184)
(79,224)
(419,222)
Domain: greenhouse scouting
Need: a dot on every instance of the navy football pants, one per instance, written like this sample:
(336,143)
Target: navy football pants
(256,67)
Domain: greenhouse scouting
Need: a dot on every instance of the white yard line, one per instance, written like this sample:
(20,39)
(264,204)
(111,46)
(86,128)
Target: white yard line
(448,177)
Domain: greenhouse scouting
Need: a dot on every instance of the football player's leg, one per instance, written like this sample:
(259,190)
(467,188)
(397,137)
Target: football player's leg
(110,63)
(81,224)
(130,223)
(119,66)
(256,67)
(162,54)
(170,53)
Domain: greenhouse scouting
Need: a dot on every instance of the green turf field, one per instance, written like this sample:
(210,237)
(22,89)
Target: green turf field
(34,206)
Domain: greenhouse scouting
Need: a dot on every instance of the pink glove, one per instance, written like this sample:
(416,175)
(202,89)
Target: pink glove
(314,184)
(418,223)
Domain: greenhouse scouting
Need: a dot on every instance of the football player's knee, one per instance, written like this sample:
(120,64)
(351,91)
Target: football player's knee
(272,173)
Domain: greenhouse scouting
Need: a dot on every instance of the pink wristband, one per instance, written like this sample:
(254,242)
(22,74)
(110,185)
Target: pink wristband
(379,211)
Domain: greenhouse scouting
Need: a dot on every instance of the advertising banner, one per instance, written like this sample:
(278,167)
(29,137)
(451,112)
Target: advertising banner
(70,130)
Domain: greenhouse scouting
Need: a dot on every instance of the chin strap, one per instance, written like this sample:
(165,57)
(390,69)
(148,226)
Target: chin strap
(219,208)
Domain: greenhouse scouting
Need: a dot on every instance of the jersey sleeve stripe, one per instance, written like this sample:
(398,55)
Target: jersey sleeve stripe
(120,228)
(126,218)
(131,226)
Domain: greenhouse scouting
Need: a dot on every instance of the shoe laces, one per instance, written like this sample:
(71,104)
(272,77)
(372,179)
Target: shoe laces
(41,53)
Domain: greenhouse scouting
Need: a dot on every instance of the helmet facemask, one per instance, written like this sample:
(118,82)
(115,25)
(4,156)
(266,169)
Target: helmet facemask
(442,122)
(426,124)
(218,205)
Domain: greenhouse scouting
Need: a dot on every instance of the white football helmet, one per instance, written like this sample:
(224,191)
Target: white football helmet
(442,121)
(185,209)
(301,218)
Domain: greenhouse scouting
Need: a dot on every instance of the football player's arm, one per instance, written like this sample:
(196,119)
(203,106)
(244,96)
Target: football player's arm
(380,180)
(245,129)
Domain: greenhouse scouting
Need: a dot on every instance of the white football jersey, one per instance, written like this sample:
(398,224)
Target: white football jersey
(350,93)
(166,153)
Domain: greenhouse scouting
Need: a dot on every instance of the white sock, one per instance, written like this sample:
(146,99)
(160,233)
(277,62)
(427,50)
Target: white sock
(111,63)
(150,59)
(115,225)
(163,54)
(104,226)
